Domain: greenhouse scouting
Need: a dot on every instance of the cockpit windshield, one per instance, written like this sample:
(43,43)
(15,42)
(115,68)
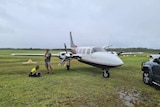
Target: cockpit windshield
(98,49)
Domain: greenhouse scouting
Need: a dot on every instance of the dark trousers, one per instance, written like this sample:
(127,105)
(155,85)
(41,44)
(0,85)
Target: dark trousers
(36,74)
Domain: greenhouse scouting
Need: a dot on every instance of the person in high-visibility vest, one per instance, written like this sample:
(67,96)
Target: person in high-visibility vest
(34,72)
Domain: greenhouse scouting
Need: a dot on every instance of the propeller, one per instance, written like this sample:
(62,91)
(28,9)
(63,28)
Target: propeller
(65,47)
(61,61)
(67,56)
(119,53)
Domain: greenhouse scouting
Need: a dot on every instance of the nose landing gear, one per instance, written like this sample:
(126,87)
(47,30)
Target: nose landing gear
(106,74)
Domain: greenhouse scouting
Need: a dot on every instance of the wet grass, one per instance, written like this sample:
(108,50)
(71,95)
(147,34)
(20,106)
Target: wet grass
(82,86)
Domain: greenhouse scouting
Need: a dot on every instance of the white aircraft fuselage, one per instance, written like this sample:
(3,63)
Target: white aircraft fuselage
(97,56)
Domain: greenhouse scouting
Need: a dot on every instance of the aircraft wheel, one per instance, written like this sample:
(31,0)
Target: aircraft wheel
(68,67)
(106,74)
(147,78)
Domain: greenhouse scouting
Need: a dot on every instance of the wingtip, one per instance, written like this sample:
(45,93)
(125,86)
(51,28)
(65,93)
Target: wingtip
(13,54)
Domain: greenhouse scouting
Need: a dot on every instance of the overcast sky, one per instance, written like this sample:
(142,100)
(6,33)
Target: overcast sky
(47,23)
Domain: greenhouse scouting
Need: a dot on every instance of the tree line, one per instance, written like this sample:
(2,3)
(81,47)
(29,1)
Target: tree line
(156,51)
(146,50)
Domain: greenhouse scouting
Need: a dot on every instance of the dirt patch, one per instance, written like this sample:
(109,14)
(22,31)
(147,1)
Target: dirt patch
(131,98)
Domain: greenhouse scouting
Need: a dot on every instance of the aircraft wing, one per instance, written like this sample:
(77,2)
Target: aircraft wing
(65,57)
(53,55)
(131,53)
(76,56)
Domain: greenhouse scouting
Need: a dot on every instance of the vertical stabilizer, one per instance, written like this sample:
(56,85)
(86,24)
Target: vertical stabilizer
(71,41)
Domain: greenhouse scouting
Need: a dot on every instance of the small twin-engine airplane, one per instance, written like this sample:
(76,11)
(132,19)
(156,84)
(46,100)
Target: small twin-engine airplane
(95,56)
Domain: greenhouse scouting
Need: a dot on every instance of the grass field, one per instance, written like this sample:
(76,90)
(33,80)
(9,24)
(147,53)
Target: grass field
(82,86)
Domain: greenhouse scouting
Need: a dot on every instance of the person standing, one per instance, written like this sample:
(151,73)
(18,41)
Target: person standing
(47,59)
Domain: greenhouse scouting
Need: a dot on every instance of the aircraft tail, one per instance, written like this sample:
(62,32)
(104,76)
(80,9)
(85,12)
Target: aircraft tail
(71,41)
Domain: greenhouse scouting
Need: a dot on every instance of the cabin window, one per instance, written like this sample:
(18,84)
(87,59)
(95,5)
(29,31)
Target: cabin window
(84,50)
(88,51)
(80,51)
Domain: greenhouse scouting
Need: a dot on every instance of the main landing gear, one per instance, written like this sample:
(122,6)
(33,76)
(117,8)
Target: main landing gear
(68,65)
(106,74)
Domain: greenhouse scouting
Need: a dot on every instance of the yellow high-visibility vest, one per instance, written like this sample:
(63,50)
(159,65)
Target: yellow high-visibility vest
(33,70)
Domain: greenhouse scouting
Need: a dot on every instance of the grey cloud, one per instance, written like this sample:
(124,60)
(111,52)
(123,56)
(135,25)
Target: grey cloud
(133,23)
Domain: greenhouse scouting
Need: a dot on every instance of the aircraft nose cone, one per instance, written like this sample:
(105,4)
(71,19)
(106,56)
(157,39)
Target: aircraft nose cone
(117,61)
(120,62)
(109,59)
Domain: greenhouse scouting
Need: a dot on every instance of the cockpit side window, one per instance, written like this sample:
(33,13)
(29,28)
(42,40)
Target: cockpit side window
(97,49)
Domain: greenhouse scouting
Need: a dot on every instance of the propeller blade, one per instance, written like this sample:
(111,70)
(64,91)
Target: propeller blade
(65,47)
(119,53)
(61,61)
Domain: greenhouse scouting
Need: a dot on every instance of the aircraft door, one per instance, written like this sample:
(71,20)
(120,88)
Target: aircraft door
(88,54)
(85,54)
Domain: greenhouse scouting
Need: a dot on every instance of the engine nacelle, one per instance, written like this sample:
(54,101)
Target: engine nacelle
(63,55)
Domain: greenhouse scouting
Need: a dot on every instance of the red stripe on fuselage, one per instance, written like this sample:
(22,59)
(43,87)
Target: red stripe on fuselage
(75,47)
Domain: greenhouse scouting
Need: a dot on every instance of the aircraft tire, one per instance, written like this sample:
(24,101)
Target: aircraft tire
(106,74)
(147,78)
